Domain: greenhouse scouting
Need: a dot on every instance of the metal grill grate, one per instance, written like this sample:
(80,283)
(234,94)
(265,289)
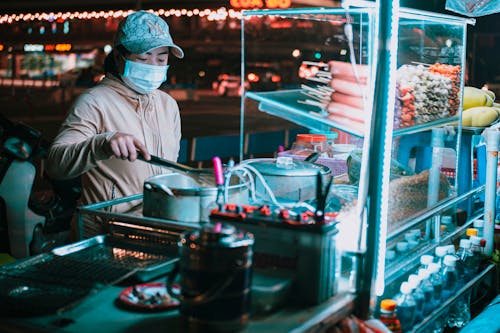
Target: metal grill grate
(51,281)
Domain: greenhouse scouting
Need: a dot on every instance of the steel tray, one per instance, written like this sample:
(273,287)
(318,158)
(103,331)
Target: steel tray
(115,258)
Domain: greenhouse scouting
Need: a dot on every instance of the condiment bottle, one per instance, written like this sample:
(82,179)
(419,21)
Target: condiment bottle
(388,315)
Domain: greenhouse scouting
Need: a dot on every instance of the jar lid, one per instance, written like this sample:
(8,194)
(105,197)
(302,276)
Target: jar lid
(311,138)
(329,135)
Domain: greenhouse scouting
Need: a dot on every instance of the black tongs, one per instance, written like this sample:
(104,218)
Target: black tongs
(321,196)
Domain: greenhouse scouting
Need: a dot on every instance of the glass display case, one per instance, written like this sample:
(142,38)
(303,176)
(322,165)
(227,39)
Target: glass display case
(324,61)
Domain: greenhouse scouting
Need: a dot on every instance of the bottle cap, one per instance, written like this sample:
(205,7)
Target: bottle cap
(465,243)
(446,219)
(434,267)
(416,232)
(450,260)
(478,224)
(471,232)
(390,254)
(475,240)
(388,304)
(414,279)
(405,288)
(402,246)
(450,249)
(441,251)
(423,273)
(412,243)
(426,259)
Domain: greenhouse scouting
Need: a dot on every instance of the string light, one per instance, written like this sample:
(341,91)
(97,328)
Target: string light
(211,14)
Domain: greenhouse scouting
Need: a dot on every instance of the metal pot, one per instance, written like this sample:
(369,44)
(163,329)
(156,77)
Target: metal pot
(289,179)
(180,198)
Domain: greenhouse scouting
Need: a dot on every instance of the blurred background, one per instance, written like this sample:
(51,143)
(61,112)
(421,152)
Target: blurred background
(51,51)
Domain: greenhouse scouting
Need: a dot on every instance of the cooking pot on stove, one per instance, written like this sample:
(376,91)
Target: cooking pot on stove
(288,179)
(179,197)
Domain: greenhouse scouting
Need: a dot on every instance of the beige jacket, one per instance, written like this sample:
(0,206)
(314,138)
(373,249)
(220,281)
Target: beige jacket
(99,112)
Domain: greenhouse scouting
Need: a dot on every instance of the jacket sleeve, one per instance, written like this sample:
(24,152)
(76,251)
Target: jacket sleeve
(80,143)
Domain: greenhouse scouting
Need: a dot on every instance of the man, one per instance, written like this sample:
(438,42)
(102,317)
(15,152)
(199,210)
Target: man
(125,115)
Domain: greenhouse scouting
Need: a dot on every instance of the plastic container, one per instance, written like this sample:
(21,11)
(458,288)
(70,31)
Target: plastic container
(479,226)
(388,315)
(306,144)
(418,295)
(425,260)
(465,264)
(437,282)
(450,276)
(428,290)
(406,305)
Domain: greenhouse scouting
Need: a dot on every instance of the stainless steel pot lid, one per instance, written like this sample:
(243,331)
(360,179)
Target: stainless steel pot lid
(286,166)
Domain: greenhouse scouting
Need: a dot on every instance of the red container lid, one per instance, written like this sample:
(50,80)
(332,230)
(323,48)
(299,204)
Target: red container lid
(311,138)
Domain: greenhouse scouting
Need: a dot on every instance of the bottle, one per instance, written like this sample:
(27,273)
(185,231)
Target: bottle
(428,290)
(425,260)
(405,309)
(388,315)
(477,253)
(440,252)
(459,314)
(437,282)
(450,276)
(465,262)
(479,226)
(418,295)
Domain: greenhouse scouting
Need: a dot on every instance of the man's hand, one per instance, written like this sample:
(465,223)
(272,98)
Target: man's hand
(126,147)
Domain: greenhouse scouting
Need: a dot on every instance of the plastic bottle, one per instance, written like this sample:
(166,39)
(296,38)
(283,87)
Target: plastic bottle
(477,253)
(450,277)
(425,260)
(405,309)
(388,315)
(440,252)
(418,295)
(459,314)
(479,226)
(465,265)
(428,290)
(437,282)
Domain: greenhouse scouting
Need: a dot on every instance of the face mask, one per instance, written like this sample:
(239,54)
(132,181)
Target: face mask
(143,78)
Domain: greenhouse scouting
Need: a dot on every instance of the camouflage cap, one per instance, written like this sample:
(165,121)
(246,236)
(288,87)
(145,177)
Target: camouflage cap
(143,31)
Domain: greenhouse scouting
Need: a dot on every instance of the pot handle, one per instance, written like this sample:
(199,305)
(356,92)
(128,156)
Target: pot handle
(159,187)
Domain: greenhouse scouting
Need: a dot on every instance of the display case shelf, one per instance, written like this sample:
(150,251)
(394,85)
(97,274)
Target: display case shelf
(425,324)
(286,104)
(404,265)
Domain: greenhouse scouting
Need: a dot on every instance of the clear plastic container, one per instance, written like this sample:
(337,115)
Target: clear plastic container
(406,305)
(306,144)
(418,295)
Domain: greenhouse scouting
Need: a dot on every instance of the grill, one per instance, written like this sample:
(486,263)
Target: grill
(54,281)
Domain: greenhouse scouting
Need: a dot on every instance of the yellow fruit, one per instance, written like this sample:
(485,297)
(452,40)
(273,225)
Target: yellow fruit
(497,105)
(476,97)
(491,94)
(479,116)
